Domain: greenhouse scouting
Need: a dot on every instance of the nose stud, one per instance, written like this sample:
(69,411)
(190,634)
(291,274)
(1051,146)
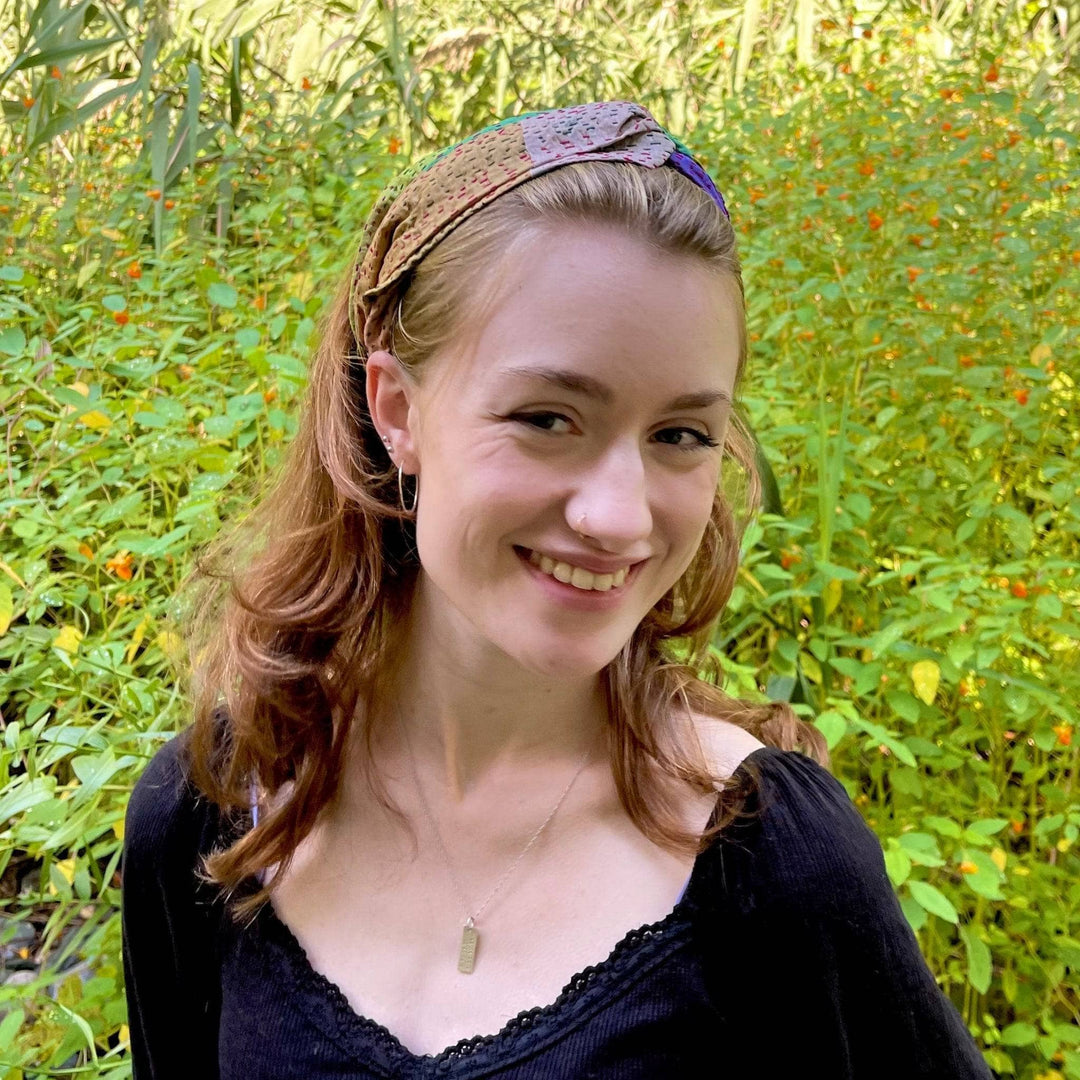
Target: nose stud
(580,527)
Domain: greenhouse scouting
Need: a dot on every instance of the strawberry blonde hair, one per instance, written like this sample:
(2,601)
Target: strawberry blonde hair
(295,614)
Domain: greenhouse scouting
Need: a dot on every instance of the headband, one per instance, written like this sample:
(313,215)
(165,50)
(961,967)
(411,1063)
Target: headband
(430,199)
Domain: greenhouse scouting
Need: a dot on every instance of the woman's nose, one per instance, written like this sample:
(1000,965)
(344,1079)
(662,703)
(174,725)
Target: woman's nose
(613,496)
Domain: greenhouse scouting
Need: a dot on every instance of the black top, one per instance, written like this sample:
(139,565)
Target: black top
(788,951)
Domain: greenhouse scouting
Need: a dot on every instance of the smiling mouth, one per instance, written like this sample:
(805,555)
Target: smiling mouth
(585,580)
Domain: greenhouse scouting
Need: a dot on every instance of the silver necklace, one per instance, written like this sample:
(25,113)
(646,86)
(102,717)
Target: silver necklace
(470,935)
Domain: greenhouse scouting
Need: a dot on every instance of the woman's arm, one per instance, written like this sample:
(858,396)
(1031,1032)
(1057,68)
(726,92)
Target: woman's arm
(831,957)
(170,925)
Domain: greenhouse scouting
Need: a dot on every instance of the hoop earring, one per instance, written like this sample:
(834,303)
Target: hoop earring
(401,494)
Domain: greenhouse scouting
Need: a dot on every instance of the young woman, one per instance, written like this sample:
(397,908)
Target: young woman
(462,797)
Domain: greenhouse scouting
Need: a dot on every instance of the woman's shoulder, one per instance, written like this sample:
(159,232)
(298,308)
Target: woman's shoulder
(802,836)
(167,816)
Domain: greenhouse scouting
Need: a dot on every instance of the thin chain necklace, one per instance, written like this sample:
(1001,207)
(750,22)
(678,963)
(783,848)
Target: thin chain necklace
(470,935)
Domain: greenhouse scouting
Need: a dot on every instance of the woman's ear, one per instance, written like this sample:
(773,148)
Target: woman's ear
(391,396)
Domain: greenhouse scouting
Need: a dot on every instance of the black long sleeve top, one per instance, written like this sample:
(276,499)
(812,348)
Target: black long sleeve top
(788,951)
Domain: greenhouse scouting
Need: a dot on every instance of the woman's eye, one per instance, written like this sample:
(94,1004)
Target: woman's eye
(697,441)
(685,438)
(540,420)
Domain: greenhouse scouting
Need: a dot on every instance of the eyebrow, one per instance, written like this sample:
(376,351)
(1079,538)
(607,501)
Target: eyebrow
(578,383)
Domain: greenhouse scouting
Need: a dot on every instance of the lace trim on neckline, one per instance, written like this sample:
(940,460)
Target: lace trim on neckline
(637,945)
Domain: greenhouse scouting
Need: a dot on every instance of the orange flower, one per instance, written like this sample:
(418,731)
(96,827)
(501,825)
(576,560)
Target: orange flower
(915,239)
(86,551)
(1009,735)
(1021,396)
(966,361)
(1063,733)
(913,272)
(121,317)
(394,145)
(806,335)
(866,168)
(28,101)
(270,395)
(946,126)
(820,189)
(134,270)
(185,371)
(968,867)
(154,193)
(259,303)
(1019,589)
(756,195)
(962,134)
(987,154)
(169,204)
(935,221)
(991,74)
(868,33)
(120,565)
(875,221)
(305,83)
(1017,827)
(54,72)
(788,559)
(719,46)
(963,688)
(1014,137)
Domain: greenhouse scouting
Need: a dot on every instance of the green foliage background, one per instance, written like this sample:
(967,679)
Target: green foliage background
(182,189)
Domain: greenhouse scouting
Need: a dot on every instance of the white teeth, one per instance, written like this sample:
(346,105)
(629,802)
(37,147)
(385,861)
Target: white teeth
(576,576)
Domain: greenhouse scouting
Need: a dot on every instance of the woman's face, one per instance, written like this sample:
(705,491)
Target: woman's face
(599,385)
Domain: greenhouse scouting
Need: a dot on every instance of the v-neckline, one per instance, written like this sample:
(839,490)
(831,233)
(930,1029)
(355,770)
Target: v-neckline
(643,943)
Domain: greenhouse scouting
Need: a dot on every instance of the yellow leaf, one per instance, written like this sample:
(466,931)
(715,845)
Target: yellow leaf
(136,639)
(999,858)
(811,668)
(112,234)
(170,644)
(125,1034)
(7,607)
(81,388)
(118,828)
(95,419)
(67,868)
(918,443)
(1041,353)
(1063,844)
(300,285)
(68,639)
(69,993)
(833,592)
(925,676)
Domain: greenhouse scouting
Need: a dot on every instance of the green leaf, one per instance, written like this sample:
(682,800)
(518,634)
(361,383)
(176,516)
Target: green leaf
(1019,1034)
(12,341)
(221,294)
(933,900)
(979,966)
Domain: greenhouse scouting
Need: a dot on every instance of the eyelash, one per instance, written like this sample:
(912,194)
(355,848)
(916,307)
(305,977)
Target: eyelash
(702,441)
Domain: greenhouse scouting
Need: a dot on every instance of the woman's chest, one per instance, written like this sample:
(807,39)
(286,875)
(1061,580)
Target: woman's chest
(385,928)
(644,1011)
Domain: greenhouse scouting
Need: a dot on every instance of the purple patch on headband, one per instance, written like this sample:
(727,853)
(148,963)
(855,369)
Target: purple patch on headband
(693,171)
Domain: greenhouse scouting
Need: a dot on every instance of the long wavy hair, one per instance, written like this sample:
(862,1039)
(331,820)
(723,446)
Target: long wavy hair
(295,614)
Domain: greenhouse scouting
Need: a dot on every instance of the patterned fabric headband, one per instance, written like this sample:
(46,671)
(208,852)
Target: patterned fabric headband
(431,198)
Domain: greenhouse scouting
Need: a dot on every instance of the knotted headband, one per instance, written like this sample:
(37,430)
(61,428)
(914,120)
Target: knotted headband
(431,198)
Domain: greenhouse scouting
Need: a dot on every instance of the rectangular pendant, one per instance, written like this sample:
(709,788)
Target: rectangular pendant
(467,954)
